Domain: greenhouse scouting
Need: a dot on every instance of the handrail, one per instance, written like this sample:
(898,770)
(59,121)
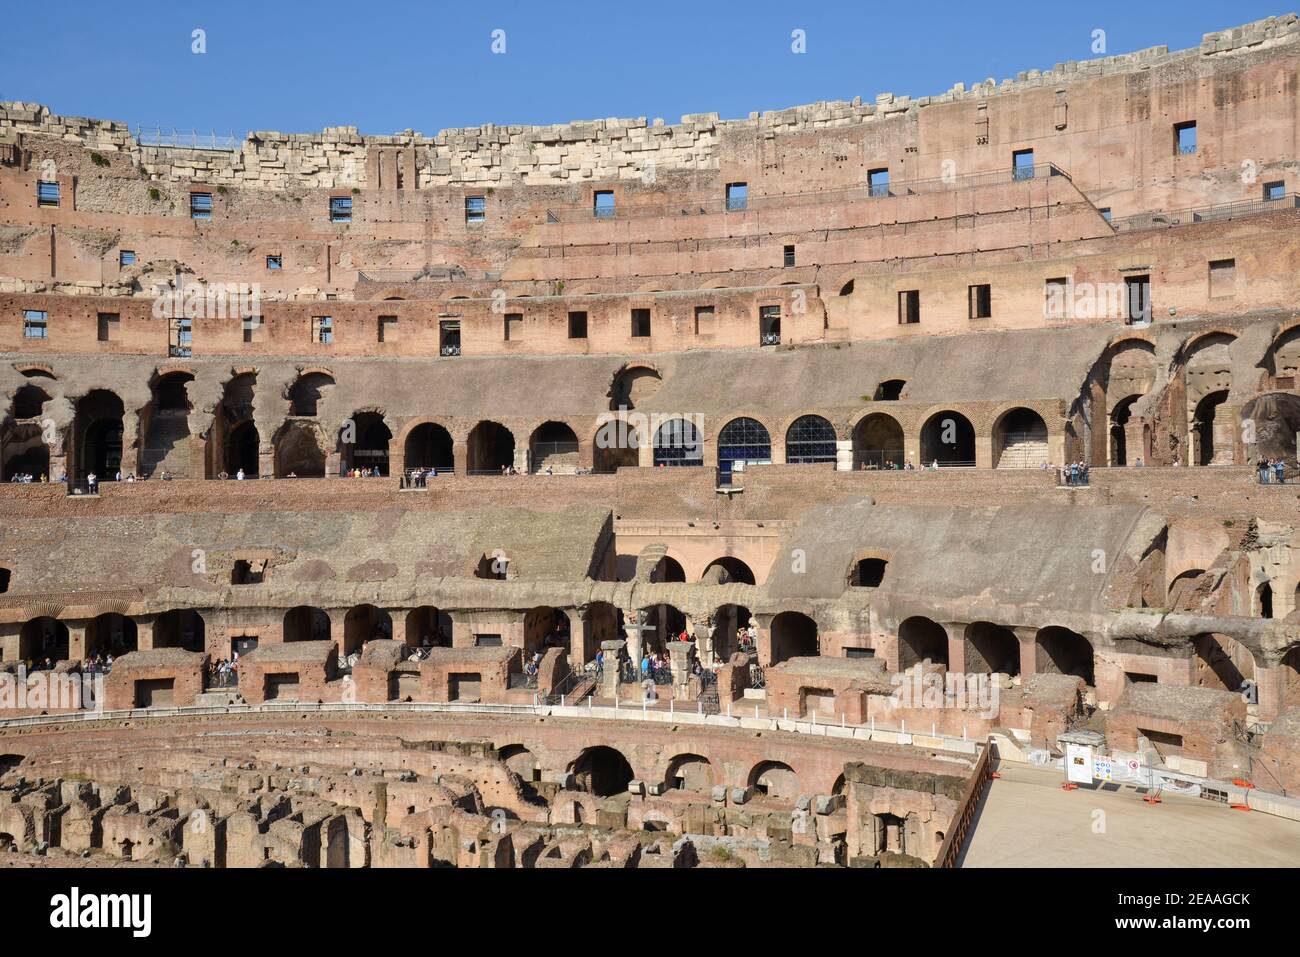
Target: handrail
(955,839)
(1162,219)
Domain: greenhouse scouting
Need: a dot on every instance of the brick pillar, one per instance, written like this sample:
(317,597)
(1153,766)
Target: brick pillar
(844,455)
(460,451)
(1028,651)
(983,451)
(608,687)
(76,640)
(144,632)
(1269,682)
(1227,435)
(764,642)
(956,648)
(1135,441)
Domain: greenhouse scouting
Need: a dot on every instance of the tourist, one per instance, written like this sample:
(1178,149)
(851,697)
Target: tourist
(239,476)
(1279,471)
(92,483)
(1261,470)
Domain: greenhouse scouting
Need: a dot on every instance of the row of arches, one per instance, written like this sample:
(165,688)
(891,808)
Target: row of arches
(604,771)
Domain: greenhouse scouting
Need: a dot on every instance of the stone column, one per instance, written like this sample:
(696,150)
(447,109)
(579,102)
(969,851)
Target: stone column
(983,452)
(844,455)
(679,655)
(521,462)
(634,622)
(1135,444)
(956,648)
(460,452)
(1028,638)
(1227,434)
(608,687)
(1268,681)
(703,630)
(144,632)
(76,640)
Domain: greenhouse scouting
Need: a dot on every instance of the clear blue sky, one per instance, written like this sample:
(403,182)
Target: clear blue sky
(388,65)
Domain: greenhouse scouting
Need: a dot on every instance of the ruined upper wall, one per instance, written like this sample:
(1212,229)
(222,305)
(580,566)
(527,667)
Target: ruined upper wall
(340,157)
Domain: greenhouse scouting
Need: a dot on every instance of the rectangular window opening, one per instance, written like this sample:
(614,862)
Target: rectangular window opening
(1022,164)
(1185,138)
(909,307)
(640,323)
(1138,298)
(47,193)
(981,301)
(737,196)
(577,325)
(35,324)
(603,204)
(475,209)
(878,182)
(341,209)
(107,323)
(322,330)
(387,329)
(200,205)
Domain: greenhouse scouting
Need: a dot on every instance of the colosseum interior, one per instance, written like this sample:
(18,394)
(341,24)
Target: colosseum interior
(771,492)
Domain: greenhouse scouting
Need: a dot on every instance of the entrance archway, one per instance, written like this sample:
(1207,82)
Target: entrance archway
(878,442)
(921,640)
(369,450)
(1019,440)
(491,448)
(1203,428)
(602,771)
(179,628)
(428,624)
(41,638)
(949,439)
(728,569)
(111,634)
(775,779)
(678,443)
(1065,652)
(991,649)
(429,446)
(365,623)
(794,635)
(97,436)
(553,445)
(243,445)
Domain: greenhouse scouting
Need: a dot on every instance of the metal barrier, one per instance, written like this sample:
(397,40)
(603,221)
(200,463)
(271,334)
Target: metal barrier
(980,780)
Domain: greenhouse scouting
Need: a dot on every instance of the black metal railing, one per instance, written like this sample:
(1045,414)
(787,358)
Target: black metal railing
(1204,214)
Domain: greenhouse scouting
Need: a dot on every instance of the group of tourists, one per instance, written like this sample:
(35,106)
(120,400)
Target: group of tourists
(223,673)
(98,663)
(26,478)
(1271,471)
(418,478)
(372,472)
(1076,473)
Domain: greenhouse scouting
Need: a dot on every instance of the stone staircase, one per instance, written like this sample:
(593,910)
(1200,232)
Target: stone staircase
(1023,454)
(167,448)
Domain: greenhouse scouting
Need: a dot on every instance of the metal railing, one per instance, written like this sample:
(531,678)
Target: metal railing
(1205,214)
(182,139)
(449,349)
(879,459)
(980,780)
(916,187)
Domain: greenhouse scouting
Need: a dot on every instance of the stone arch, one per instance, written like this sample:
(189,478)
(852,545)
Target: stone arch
(428,445)
(677,442)
(98,430)
(165,426)
(1019,439)
(428,622)
(948,438)
(29,401)
(306,623)
(743,439)
(1065,652)
(878,442)
(616,445)
(553,445)
(921,639)
(1282,360)
(728,569)
(775,779)
(794,635)
(111,633)
(234,441)
(727,621)
(547,627)
(890,390)
(490,448)
(522,762)
(690,772)
(668,569)
(633,384)
(365,623)
(308,391)
(602,771)
(299,451)
(991,649)
(811,439)
(180,628)
(370,447)
(43,637)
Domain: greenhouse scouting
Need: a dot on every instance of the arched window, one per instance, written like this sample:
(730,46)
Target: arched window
(744,441)
(677,442)
(810,439)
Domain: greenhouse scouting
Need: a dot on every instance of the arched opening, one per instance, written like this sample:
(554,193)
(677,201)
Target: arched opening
(97,436)
(690,772)
(949,439)
(1222,663)
(633,386)
(921,640)
(616,446)
(890,390)
(522,762)
(429,446)
(29,402)
(810,439)
(775,779)
(298,452)
(847,288)
(604,622)
(668,569)
(546,627)
(243,445)
(794,635)
(663,623)
(1184,590)
(179,628)
(742,442)
(166,428)
(868,573)
(369,450)
(111,634)
(234,442)
(553,446)
(729,622)
(1264,600)
(678,442)
(365,623)
(1019,440)
(602,771)
(878,443)
(724,571)
(1203,429)
(428,627)
(1065,652)
(307,391)
(305,623)
(491,449)
(991,649)
(1119,417)
(42,640)
(25,453)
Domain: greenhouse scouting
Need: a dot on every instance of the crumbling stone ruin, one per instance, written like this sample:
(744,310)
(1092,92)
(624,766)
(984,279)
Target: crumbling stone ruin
(914,432)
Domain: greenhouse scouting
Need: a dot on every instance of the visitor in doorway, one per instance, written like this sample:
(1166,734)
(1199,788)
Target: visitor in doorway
(1138,463)
(1279,471)
(600,664)
(92,483)
(1261,470)
(239,476)
(935,465)
(119,475)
